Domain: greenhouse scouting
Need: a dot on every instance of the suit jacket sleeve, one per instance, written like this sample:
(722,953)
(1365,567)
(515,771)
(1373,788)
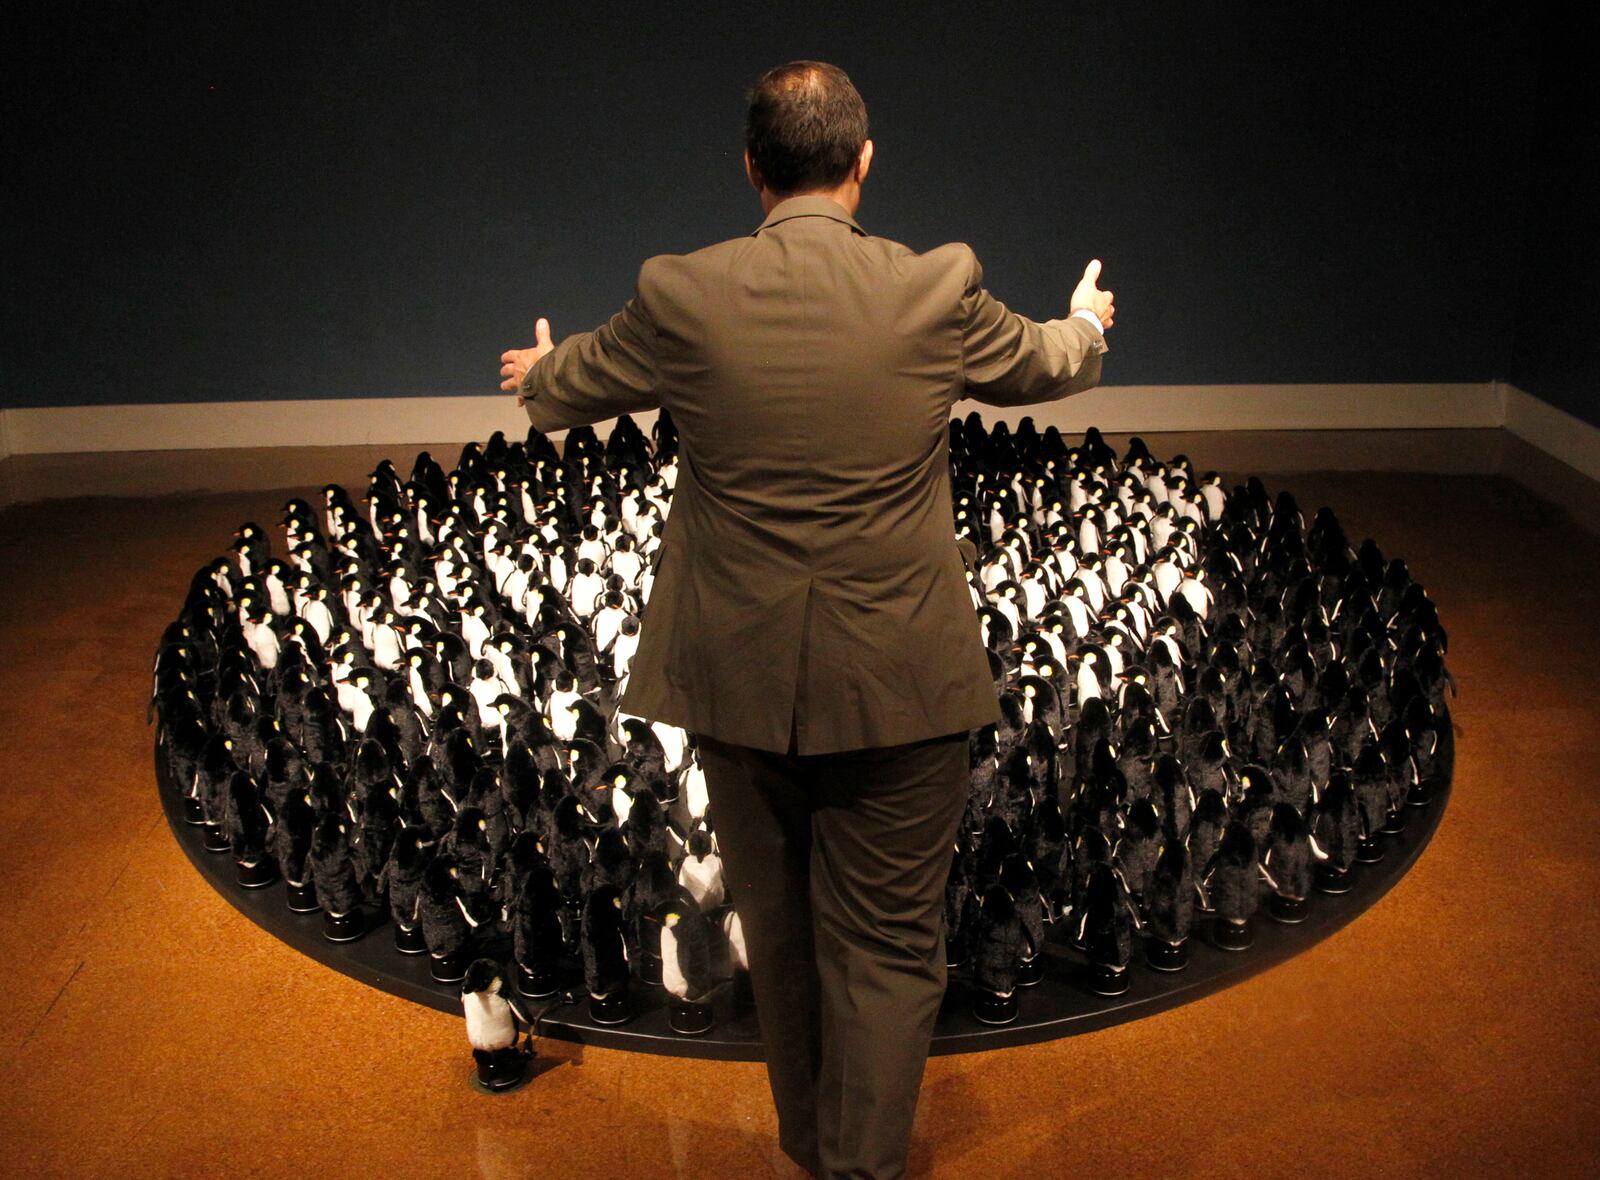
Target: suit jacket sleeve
(597,375)
(1009,360)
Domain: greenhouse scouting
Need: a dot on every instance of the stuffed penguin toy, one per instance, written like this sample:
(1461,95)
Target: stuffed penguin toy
(605,957)
(1105,928)
(1017,878)
(1232,884)
(338,891)
(502,1063)
(686,966)
(290,842)
(1288,865)
(1369,778)
(1169,902)
(1138,847)
(1335,834)
(442,914)
(401,878)
(531,906)
(701,871)
(997,957)
(245,820)
(1205,834)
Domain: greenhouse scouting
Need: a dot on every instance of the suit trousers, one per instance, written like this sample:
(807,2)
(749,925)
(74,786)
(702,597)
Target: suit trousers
(837,864)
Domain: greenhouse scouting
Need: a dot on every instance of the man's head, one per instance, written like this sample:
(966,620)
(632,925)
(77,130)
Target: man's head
(806,132)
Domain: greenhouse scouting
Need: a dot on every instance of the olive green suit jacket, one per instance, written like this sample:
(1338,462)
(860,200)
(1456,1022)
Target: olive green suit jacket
(809,572)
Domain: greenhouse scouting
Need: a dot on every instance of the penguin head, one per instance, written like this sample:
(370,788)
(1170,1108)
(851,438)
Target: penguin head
(484,975)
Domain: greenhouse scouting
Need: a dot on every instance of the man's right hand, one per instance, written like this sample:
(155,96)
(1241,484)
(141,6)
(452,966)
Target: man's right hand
(1087,297)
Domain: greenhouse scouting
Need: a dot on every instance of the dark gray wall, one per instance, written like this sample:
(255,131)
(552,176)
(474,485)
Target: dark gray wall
(265,201)
(1556,353)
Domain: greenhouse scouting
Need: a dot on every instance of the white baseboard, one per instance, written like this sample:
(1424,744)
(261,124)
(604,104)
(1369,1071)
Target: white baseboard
(1125,408)
(212,425)
(46,453)
(1554,431)
(410,420)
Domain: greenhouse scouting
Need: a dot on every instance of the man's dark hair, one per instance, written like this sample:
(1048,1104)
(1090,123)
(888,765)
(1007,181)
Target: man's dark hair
(805,126)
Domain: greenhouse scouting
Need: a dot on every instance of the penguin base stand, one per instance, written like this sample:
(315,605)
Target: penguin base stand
(536,983)
(193,813)
(344,927)
(1420,794)
(1332,879)
(1394,824)
(993,1008)
(303,898)
(1367,851)
(611,1009)
(1106,979)
(449,968)
(1230,935)
(650,970)
(1291,911)
(255,874)
(409,940)
(1166,956)
(687,1018)
(216,840)
(500,1071)
(1030,971)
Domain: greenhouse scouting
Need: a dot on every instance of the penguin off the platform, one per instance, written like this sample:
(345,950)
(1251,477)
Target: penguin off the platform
(491,1017)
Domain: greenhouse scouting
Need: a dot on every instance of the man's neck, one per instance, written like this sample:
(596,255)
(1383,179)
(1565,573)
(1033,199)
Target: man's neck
(847,196)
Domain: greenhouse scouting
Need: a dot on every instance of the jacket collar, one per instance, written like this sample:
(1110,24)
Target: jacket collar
(808,205)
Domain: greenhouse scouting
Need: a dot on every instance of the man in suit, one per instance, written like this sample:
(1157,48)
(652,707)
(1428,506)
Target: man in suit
(810,621)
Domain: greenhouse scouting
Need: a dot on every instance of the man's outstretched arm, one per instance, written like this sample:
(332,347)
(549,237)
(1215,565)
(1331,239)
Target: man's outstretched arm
(1010,360)
(588,377)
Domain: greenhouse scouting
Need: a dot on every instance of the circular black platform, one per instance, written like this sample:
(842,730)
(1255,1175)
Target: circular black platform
(1059,1006)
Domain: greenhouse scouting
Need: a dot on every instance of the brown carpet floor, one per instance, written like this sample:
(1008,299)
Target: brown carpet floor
(150,1029)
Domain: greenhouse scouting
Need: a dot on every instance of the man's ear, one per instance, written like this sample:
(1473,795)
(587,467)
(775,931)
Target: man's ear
(751,171)
(864,160)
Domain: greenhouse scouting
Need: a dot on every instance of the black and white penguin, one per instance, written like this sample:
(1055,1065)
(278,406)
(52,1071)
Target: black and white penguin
(338,891)
(605,957)
(1335,834)
(502,1063)
(1018,879)
(1105,928)
(531,906)
(686,966)
(998,942)
(290,841)
(1169,903)
(1288,865)
(442,915)
(701,871)
(400,879)
(246,822)
(1232,884)
(1138,846)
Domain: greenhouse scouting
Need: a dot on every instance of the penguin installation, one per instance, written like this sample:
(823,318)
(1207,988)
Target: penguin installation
(1211,710)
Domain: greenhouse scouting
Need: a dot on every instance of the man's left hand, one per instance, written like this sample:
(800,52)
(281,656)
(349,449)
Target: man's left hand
(515,362)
